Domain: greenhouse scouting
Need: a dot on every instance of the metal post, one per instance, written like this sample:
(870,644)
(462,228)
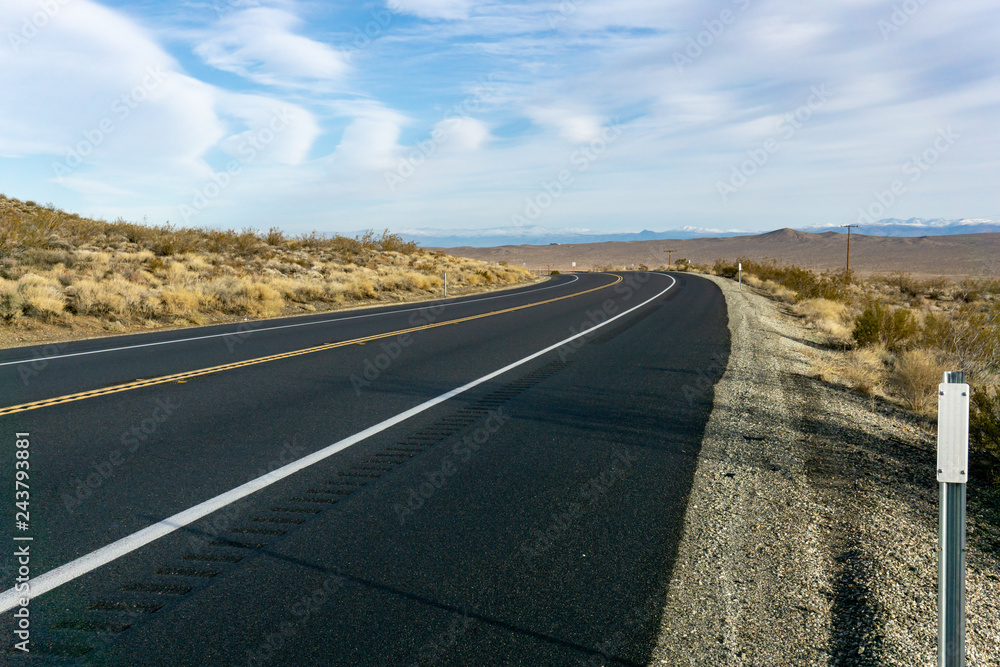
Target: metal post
(952,474)
(740,274)
(446,284)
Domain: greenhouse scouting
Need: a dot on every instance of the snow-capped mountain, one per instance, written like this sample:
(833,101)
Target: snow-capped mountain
(482,238)
(917,227)
(537,235)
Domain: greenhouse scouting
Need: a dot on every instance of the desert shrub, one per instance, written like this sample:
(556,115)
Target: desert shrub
(968,290)
(881,324)
(420,281)
(11,301)
(241,296)
(41,297)
(970,335)
(806,284)
(984,419)
(179,301)
(905,283)
(394,243)
(275,237)
(91,297)
(916,374)
(865,370)
(361,288)
(830,317)
(780,292)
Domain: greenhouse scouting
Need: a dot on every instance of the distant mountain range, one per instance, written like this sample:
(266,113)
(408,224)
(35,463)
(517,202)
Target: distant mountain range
(917,227)
(536,235)
(485,238)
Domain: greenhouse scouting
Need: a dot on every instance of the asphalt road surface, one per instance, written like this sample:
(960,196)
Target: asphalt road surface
(495,480)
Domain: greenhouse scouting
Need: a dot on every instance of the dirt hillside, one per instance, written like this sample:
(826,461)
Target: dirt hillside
(953,256)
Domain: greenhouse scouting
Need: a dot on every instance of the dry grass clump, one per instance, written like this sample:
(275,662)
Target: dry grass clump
(833,318)
(40,296)
(780,292)
(57,267)
(915,376)
(866,370)
(906,332)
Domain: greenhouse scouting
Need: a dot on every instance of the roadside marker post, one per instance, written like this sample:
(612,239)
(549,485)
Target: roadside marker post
(446,284)
(740,274)
(952,476)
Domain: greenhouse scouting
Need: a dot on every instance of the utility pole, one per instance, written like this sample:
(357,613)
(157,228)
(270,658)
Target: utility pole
(670,252)
(849,248)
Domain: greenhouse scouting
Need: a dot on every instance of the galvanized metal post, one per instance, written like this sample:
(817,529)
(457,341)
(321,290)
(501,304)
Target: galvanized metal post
(952,475)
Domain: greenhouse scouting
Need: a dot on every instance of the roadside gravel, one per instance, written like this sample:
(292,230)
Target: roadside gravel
(811,531)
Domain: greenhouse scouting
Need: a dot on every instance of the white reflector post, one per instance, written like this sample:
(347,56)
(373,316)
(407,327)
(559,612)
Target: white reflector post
(953,433)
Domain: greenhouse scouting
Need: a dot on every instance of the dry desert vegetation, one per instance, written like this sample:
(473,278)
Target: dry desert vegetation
(896,335)
(64,276)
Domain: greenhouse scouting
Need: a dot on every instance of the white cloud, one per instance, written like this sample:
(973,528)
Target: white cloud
(463,134)
(258,44)
(90,70)
(371,140)
(572,125)
(117,116)
(280,132)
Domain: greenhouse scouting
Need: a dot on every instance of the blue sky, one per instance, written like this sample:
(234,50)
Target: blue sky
(471,114)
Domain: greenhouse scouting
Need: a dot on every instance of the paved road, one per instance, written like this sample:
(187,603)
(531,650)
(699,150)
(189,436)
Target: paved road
(209,500)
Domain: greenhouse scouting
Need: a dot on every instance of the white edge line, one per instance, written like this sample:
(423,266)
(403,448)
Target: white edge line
(283,326)
(44,583)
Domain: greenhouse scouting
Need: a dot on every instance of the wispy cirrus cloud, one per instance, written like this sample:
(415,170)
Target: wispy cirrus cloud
(260,44)
(561,72)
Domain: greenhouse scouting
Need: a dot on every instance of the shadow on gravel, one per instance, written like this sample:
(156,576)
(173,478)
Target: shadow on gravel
(854,640)
(844,458)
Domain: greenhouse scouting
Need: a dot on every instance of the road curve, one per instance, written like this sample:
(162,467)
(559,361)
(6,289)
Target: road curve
(480,481)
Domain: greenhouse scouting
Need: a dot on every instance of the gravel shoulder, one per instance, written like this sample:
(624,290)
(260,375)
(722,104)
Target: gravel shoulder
(811,531)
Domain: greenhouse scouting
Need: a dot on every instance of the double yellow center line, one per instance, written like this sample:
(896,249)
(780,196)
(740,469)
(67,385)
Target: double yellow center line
(183,377)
